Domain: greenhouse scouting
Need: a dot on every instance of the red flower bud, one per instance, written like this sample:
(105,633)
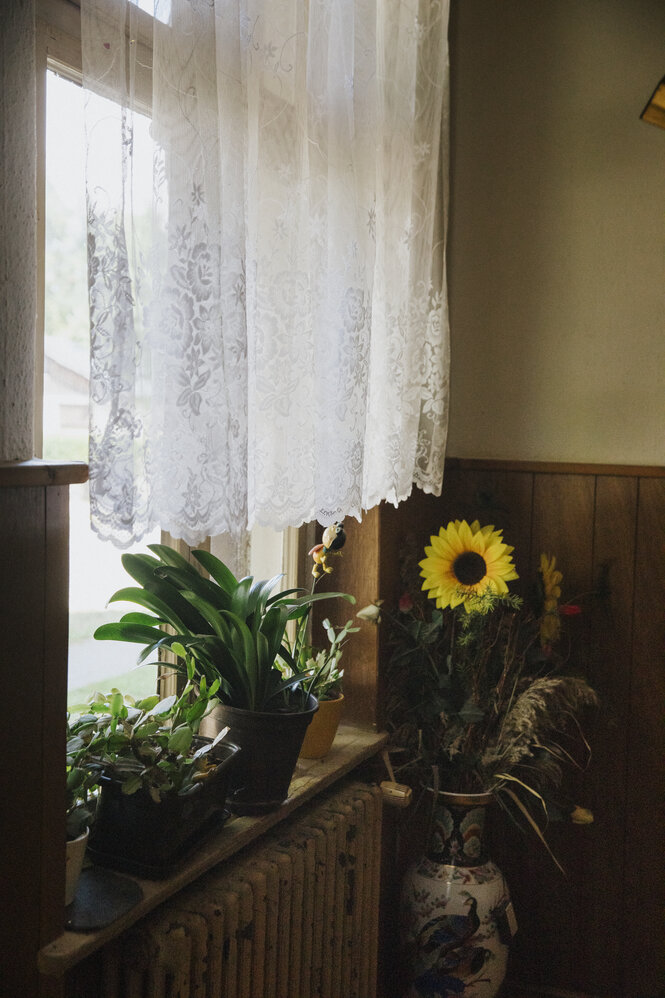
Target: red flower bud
(569,610)
(405,603)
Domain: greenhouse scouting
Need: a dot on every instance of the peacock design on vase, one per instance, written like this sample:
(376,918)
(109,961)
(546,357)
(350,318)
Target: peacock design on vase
(456,911)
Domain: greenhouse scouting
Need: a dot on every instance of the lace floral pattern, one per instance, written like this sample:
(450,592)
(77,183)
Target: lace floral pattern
(269,340)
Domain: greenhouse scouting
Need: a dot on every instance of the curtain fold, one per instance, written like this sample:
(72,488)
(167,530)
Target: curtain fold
(269,332)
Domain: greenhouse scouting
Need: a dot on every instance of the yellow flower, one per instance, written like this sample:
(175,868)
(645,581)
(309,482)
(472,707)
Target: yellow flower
(550,624)
(465,562)
(581,816)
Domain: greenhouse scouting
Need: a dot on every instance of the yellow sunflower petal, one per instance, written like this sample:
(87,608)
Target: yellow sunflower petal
(464,561)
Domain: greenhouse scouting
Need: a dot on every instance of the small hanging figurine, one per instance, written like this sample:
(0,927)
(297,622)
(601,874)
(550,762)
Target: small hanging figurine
(333,540)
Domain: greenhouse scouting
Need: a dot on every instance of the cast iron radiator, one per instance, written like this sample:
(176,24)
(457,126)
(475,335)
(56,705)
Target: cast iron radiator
(293,916)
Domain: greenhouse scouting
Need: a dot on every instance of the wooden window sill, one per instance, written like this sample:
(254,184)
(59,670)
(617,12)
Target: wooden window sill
(352,746)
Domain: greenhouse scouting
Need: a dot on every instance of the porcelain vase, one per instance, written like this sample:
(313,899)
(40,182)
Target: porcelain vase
(457,919)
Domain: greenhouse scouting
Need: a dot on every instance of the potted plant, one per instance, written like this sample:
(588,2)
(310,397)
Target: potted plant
(163,786)
(79,812)
(230,632)
(481,707)
(321,666)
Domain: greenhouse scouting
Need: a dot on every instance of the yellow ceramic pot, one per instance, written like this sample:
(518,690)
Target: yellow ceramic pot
(322,729)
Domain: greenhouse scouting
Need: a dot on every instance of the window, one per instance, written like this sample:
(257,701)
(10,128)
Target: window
(95,567)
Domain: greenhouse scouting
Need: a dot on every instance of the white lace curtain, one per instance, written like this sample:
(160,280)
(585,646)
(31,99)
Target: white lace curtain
(269,334)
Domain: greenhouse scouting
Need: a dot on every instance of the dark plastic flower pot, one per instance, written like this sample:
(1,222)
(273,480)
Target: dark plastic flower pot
(269,747)
(134,833)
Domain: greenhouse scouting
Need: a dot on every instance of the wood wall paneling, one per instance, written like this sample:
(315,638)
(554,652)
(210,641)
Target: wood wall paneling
(597,930)
(644,816)
(355,571)
(609,667)
(562,525)
(56,632)
(22,585)
(34,622)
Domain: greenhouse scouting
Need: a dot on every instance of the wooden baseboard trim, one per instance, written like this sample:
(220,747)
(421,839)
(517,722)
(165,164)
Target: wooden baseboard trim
(522,991)
(556,468)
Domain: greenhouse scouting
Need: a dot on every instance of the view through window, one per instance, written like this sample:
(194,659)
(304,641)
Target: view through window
(96,570)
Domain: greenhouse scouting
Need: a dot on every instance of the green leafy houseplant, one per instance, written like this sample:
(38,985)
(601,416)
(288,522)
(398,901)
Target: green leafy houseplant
(232,633)
(478,686)
(326,685)
(320,666)
(80,788)
(147,744)
(162,784)
(229,630)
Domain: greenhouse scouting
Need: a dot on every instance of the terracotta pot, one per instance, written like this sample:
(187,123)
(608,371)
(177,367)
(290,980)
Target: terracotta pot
(321,732)
(74,864)
(269,747)
(456,911)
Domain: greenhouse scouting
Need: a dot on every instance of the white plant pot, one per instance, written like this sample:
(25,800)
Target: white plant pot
(74,864)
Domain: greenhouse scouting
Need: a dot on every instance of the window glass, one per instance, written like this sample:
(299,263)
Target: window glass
(96,570)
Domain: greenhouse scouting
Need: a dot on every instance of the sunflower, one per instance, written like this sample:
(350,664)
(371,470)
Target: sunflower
(550,623)
(466,562)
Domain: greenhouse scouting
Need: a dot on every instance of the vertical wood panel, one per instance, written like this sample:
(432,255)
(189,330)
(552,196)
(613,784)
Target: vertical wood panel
(54,678)
(599,897)
(355,571)
(22,587)
(562,525)
(644,958)
(33,614)
(563,515)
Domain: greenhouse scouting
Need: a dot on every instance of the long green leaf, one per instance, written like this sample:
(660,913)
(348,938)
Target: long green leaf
(169,556)
(264,665)
(217,570)
(273,627)
(164,641)
(192,581)
(207,610)
(226,666)
(258,596)
(141,567)
(282,597)
(123,631)
(150,601)
(279,684)
(240,603)
(134,617)
(286,656)
(300,606)
(245,655)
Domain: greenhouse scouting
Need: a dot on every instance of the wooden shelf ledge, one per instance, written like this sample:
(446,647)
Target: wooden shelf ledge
(21,474)
(352,746)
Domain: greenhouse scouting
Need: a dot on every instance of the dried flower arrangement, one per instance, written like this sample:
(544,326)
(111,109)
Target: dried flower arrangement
(478,687)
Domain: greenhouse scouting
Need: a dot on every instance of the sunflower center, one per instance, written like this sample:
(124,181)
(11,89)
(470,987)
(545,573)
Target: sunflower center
(469,568)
